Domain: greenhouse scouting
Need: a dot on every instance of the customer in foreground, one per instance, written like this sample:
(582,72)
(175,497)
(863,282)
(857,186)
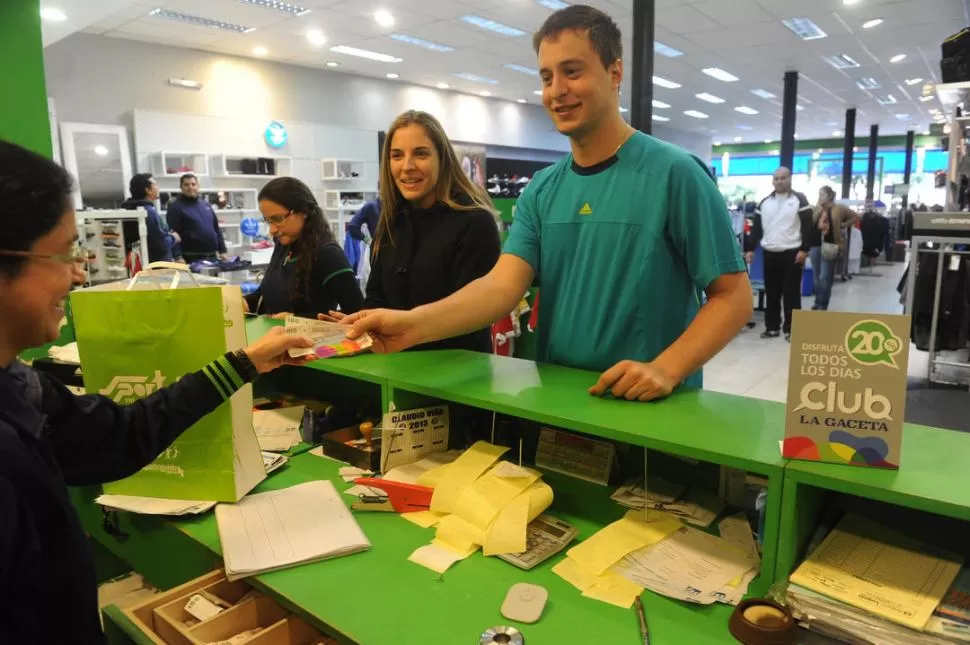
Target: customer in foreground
(621,236)
(51,439)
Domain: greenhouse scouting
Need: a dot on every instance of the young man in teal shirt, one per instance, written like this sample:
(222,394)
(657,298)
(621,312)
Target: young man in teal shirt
(623,237)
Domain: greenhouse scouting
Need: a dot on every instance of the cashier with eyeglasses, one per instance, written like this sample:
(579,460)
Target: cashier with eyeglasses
(309,273)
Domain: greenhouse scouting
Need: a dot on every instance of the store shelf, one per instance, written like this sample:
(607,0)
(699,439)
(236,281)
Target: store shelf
(952,94)
(342,170)
(226,166)
(167,164)
(336,200)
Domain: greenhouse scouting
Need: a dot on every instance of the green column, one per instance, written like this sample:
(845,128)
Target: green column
(23,110)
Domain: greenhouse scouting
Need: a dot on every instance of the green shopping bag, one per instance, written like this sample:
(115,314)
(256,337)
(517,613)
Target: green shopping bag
(137,336)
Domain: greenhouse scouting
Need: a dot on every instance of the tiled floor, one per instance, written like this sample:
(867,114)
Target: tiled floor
(758,368)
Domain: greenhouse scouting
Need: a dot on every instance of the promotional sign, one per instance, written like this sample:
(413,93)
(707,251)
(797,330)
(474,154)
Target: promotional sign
(249,226)
(276,134)
(847,388)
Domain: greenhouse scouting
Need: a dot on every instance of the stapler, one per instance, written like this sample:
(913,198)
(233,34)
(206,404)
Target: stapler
(404,498)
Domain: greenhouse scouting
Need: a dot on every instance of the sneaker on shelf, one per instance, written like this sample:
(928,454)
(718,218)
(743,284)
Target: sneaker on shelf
(770,334)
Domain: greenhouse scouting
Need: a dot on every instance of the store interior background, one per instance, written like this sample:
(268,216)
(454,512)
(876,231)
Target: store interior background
(109,63)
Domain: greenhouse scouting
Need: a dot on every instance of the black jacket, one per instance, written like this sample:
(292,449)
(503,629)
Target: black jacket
(160,240)
(51,439)
(432,254)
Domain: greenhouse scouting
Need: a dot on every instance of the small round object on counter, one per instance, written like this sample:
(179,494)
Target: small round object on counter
(759,621)
(503,635)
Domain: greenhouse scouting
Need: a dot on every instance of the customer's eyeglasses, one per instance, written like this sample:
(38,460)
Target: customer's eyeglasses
(276,220)
(77,256)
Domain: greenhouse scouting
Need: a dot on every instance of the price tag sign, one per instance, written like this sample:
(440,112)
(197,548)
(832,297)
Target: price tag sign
(847,388)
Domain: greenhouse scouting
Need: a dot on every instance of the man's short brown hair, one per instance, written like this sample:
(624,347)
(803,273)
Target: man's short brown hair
(598,27)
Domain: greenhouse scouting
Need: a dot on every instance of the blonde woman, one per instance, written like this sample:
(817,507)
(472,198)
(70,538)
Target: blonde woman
(437,230)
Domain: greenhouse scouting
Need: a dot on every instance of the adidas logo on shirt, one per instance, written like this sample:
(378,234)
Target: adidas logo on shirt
(586,210)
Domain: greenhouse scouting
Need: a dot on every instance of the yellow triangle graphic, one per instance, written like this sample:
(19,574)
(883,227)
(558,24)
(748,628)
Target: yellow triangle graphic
(586,210)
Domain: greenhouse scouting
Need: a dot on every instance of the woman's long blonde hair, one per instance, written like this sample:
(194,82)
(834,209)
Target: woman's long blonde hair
(453,183)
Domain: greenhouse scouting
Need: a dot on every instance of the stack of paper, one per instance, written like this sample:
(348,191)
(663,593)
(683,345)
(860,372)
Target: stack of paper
(351,473)
(278,430)
(863,574)
(698,506)
(283,528)
(65,353)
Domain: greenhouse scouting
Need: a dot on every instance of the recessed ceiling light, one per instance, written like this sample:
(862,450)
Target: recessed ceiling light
(419,42)
(799,108)
(332,63)
(795,135)
(392,75)
(717,143)
(555,5)
(804,28)
(485,93)
(260,51)
(913,81)
(657,117)
(52,14)
(660,104)
(442,86)
(538,92)
(924,99)
(696,114)
(889,99)
(767,140)
(926,133)
(738,139)
(869,24)
(522,69)
(898,58)
(849,3)
(521,101)
(315,36)
(746,128)
(384,18)
(623,109)
(285,7)
(665,50)
(868,83)
(364,53)
(837,133)
(902,117)
(198,21)
(475,78)
(841,61)
(101,151)
(744,109)
(187,83)
(763,94)
(663,82)
(720,74)
(491,25)
(709,98)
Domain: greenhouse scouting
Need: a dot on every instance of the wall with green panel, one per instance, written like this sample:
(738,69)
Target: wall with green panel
(23,110)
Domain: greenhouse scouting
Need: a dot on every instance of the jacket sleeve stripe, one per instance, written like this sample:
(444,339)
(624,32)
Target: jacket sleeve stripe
(216,383)
(235,380)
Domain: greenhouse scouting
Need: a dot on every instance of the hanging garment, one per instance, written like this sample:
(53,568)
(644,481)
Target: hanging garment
(875,227)
(954,309)
(363,266)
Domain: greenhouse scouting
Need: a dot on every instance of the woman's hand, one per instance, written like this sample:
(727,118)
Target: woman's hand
(283,315)
(272,350)
(333,316)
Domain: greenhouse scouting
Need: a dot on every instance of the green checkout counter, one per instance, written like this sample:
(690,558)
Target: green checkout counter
(378,597)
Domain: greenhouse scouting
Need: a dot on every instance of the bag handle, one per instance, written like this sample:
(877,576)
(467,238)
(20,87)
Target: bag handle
(175,268)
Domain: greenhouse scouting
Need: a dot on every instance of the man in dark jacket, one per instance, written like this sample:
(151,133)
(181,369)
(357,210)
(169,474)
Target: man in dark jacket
(369,215)
(162,243)
(196,223)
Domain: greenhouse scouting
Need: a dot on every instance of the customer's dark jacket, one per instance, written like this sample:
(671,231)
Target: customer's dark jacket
(160,240)
(51,439)
(433,253)
(197,225)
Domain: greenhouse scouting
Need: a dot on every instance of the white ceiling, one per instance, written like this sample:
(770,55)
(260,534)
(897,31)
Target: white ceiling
(744,37)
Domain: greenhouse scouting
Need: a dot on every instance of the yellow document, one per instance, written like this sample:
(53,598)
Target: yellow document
(482,501)
(508,533)
(604,549)
(431,478)
(573,573)
(460,474)
(424,519)
(614,589)
(540,499)
(459,534)
(868,566)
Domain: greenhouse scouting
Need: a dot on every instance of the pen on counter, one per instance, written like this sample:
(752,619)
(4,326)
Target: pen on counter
(643,622)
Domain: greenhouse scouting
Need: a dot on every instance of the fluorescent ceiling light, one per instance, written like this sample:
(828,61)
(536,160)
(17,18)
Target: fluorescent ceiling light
(418,42)
(186,83)
(521,101)
(738,139)
(837,133)
(332,63)
(260,51)
(889,99)
(666,50)
(902,117)
(101,151)
(924,99)
(657,117)
(285,7)
(660,104)
(717,143)
(804,28)
(799,108)
(364,53)
(746,128)
(538,92)
(52,14)
(475,78)
(392,75)
(849,3)
(710,98)
(485,93)
(744,109)
(795,135)
(720,74)
(696,114)
(198,21)
(763,94)
(926,133)
(868,83)
(315,36)
(555,5)
(442,86)
(913,81)
(384,18)
(623,109)
(898,58)
(869,24)
(522,69)
(767,140)
(663,82)
(491,25)
(841,61)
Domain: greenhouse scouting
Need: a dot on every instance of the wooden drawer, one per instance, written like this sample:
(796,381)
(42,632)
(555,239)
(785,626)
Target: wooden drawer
(250,617)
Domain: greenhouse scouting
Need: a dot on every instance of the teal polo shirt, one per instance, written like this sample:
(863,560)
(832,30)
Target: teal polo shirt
(622,252)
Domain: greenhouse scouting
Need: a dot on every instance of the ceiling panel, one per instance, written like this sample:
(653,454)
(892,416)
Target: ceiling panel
(734,13)
(684,20)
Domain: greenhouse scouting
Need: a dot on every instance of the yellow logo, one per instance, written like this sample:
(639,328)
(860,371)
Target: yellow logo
(586,210)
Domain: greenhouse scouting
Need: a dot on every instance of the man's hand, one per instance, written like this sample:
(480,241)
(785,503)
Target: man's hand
(333,316)
(635,382)
(749,257)
(271,351)
(223,256)
(283,315)
(176,237)
(392,330)
(800,257)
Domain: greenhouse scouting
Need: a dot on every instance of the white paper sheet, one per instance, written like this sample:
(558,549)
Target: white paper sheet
(410,473)
(278,430)
(153,505)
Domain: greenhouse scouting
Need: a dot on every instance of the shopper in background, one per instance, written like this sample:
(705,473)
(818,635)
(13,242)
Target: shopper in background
(51,439)
(369,215)
(828,220)
(437,230)
(622,236)
(196,223)
(162,243)
(308,273)
(783,226)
